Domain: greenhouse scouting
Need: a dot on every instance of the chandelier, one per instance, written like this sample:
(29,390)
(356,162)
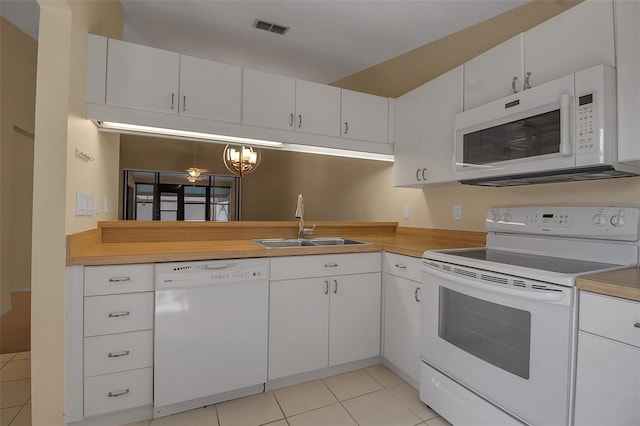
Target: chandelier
(193,173)
(241,160)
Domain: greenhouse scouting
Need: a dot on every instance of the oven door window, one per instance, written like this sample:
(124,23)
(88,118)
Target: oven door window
(497,334)
(529,137)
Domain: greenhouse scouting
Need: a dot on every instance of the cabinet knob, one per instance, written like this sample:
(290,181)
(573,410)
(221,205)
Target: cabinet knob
(513,85)
(291,120)
(119,279)
(346,127)
(637,325)
(173,95)
(326,286)
(299,120)
(415,294)
(119,314)
(184,103)
(399,266)
(118,393)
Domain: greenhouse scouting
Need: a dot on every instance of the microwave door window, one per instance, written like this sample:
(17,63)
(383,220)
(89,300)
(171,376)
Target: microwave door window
(525,138)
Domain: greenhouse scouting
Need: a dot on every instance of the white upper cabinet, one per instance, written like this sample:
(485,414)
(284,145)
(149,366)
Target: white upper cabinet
(268,100)
(317,108)
(574,40)
(142,77)
(577,39)
(491,75)
(627,16)
(365,116)
(424,128)
(209,89)
(158,80)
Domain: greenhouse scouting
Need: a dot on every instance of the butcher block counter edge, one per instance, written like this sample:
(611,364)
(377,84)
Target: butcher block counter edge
(624,283)
(127,242)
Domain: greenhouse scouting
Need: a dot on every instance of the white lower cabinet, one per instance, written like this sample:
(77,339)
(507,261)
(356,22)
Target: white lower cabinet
(320,321)
(608,367)
(402,313)
(110,352)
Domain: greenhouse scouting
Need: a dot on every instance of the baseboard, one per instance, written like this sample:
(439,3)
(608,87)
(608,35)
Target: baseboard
(21,290)
(6,310)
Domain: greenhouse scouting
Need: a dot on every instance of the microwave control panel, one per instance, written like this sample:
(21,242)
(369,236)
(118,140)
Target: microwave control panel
(586,124)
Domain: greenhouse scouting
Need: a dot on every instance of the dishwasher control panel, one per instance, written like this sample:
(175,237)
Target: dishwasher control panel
(214,272)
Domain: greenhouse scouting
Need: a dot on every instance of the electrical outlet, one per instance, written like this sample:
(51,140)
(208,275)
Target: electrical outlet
(457,212)
(405,212)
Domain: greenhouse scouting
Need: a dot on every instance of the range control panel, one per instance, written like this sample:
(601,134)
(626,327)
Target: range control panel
(600,222)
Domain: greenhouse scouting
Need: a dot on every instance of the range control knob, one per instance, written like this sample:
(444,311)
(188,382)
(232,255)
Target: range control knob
(600,219)
(507,217)
(496,217)
(618,219)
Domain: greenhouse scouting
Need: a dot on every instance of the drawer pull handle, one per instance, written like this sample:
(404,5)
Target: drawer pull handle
(330,265)
(119,314)
(119,279)
(118,354)
(397,265)
(117,394)
(415,294)
(637,325)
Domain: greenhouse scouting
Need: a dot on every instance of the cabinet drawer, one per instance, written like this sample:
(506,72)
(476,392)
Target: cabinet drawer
(284,268)
(118,313)
(118,352)
(117,279)
(402,266)
(615,318)
(119,391)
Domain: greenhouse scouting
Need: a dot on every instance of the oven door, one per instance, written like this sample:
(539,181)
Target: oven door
(509,340)
(527,132)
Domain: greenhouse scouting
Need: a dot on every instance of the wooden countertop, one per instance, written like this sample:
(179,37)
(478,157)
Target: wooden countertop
(624,283)
(126,242)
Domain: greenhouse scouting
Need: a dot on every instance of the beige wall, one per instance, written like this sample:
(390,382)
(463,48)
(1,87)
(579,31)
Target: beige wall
(59,129)
(18,53)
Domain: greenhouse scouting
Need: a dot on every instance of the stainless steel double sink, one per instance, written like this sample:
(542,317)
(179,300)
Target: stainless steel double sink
(307,242)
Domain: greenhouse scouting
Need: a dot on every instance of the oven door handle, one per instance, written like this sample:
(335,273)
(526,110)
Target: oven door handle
(539,295)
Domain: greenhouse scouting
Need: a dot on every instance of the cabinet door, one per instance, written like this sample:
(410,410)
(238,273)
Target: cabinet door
(402,324)
(298,326)
(489,76)
(428,158)
(364,116)
(354,318)
(409,145)
(607,382)
(628,62)
(142,77)
(268,100)
(574,40)
(317,108)
(209,90)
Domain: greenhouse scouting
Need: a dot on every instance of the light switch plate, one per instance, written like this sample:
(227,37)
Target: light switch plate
(81,204)
(405,212)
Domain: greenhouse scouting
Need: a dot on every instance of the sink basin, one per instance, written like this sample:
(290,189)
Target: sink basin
(284,243)
(334,241)
(313,242)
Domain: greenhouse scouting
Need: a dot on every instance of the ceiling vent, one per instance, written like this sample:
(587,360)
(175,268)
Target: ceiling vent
(267,26)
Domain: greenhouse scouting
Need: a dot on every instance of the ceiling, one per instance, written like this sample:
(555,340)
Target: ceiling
(327,41)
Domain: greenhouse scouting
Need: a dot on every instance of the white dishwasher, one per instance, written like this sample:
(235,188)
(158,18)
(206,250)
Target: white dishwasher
(210,335)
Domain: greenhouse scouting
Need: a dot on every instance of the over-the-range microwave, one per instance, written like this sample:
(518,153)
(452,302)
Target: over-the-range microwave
(564,130)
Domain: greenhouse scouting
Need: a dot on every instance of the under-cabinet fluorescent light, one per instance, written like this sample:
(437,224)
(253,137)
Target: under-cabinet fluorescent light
(338,152)
(184,134)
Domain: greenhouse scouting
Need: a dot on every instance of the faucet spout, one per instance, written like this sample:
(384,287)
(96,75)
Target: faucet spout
(300,215)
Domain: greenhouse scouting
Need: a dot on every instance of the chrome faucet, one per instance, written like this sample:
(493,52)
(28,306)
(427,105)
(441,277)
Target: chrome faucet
(300,215)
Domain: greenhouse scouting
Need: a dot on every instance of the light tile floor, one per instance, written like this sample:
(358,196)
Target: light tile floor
(15,389)
(367,397)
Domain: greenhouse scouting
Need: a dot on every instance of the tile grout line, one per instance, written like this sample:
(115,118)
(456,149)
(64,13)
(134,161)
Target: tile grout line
(340,402)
